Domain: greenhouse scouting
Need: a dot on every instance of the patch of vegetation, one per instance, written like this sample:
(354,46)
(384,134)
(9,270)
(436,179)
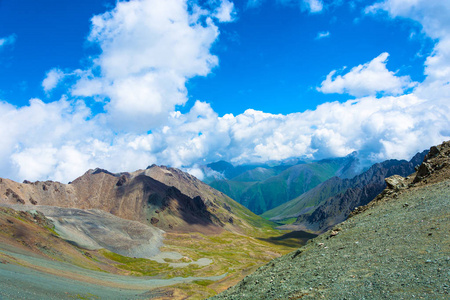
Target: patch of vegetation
(287,221)
(52,230)
(233,254)
(203,282)
(88,296)
(137,266)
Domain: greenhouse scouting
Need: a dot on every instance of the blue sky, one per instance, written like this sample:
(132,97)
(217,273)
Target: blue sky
(270,57)
(182,83)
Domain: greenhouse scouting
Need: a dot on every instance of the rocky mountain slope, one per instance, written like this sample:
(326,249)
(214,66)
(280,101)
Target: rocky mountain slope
(263,187)
(160,196)
(396,247)
(332,201)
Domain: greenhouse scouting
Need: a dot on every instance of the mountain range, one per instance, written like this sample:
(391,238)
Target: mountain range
(331,202)
(263,187)
(395,247)
(160,233)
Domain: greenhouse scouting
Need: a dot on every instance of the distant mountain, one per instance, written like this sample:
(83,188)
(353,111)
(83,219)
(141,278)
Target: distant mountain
(225,170)
(332,201)
(264,187)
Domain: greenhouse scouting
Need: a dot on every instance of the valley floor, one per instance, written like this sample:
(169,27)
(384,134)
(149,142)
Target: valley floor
(227,257)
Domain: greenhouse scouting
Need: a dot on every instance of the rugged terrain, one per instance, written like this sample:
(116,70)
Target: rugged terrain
(157,232)
(333,200)
(396,247)
(166,197)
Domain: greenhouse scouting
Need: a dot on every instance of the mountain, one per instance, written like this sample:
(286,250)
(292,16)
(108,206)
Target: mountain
(224,170)
(137,235)
(396,247)
(166,197)
(332,201)
(263,188)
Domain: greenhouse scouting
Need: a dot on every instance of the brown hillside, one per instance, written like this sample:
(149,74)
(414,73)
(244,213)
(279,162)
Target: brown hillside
(164,197)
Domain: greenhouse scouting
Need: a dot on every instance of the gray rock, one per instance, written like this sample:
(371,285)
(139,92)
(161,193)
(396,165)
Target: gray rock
(395,182)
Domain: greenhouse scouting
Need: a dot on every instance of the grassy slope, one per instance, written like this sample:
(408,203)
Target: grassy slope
(260,196)
(308,201)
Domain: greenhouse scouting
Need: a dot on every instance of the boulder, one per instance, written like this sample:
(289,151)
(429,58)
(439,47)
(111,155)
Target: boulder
(395,182)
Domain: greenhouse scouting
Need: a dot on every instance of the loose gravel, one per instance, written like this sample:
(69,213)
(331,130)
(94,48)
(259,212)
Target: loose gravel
(397,250)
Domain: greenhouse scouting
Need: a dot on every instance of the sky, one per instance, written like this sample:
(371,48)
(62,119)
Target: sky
(121,85)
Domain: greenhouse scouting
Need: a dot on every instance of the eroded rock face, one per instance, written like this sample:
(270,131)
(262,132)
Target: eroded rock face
(436,162)
(395,182)
(434,168)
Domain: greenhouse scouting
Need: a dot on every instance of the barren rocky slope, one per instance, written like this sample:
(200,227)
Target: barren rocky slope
(396,247)
(165,197)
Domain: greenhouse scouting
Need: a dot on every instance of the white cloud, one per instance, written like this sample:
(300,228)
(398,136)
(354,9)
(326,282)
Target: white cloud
(433,16)
(150,49)
(9,40)
(53,77)
(312,6)
(367,79)
(322,34)
(225,12)
(62,139)
(388,127)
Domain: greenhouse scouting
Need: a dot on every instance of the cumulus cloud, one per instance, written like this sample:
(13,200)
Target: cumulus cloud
(367,79)
(9,40)
(150,49)
(389,127)
(53,77)
(225,12)
(313,6)
(37,132)
(143,82)
(433,16)
(322,34)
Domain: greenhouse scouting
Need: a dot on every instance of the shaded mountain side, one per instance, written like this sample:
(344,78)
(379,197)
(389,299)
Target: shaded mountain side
(363,189)
(332,201)
(164,197)
(259,191)
(221,205)
(306,202)
(396,247)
